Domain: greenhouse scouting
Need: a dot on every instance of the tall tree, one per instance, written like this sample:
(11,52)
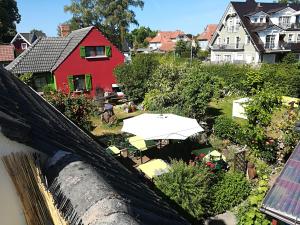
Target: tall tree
(289,1)
(137,37)
(9,16)
(112,17)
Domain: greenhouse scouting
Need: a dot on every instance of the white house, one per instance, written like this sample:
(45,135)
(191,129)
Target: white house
(251,32)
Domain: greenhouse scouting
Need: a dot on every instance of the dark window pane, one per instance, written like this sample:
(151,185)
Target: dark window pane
(90,51)
(100,50)
(40,82)
(95,51)
(79,83)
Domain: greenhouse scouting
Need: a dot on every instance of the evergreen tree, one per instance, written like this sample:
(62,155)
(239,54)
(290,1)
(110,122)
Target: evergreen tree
(9,16)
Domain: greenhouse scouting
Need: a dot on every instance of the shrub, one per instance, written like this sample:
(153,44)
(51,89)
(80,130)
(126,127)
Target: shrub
(289,58)
(47,89)
(230,191)
(27,78)
(134,76)
(77,108)
(249,213)
(226,128)
(196,90)
(188,186)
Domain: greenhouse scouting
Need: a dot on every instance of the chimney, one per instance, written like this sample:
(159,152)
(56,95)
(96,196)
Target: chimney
(64,30)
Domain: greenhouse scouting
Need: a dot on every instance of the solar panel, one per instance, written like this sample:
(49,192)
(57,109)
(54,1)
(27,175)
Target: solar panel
(283,200)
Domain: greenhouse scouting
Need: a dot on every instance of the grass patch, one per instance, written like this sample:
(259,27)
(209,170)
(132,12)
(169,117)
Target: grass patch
(105,129)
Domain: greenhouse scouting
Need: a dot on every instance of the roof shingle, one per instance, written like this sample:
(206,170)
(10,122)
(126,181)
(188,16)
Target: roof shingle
(7,53)
(47,53)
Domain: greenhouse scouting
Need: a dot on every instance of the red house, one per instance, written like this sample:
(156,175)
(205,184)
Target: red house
(82,62)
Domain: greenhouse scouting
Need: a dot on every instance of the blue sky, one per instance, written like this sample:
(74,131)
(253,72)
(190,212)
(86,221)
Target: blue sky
(191,16)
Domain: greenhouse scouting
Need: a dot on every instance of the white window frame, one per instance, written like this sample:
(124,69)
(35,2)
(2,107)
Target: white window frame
(290,38)
(298,38)
(247,39)
(227,58)
(24,46)
(285,21)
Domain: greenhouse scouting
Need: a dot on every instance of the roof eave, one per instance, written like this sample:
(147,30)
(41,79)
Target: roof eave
(279,216)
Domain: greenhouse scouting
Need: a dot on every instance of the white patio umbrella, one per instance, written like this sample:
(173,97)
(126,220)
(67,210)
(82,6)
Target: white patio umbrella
(161,126)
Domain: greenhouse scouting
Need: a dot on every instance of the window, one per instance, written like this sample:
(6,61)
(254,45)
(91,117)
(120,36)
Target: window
(80,83)
(270,41)
(95,51)
(39,83)
(218,58)
(298,38)
(24,46)
(237,42)
(228,40)
(248,39)
(255,20)
(261,19)
(227,58)
(285,21)
(290,38)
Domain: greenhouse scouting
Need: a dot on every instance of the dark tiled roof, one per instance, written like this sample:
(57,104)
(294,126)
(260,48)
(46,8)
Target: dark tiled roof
(46,54)
(40,57)
(28,118)
(283,200)
(75,38)
(30,37)
(250,7)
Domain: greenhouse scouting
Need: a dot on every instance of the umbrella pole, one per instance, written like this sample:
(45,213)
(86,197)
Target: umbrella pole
(141,157)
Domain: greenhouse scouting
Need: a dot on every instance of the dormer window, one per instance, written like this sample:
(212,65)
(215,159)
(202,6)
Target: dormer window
(261,19)
(24,46)
(255,20)
(285,21)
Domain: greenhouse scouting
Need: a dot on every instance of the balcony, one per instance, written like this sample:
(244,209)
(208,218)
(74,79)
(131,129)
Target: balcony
(277,47)
(295,26)
(228,47)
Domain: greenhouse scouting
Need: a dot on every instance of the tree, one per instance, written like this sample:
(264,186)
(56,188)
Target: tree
(189,186)
(9,16)
(184,48)
(38,33)
(112,17)
(289,58)
(134,76)
(137,37)
(289,1)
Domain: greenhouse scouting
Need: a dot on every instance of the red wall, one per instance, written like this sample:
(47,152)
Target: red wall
(100,69)
(17,43)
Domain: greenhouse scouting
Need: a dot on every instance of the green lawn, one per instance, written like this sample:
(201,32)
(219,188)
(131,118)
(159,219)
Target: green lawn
(104,129)
(223,106)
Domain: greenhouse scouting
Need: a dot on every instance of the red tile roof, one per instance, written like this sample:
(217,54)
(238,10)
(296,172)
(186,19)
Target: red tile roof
(6,53)
(165,36)
(208,32)
(167,46)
